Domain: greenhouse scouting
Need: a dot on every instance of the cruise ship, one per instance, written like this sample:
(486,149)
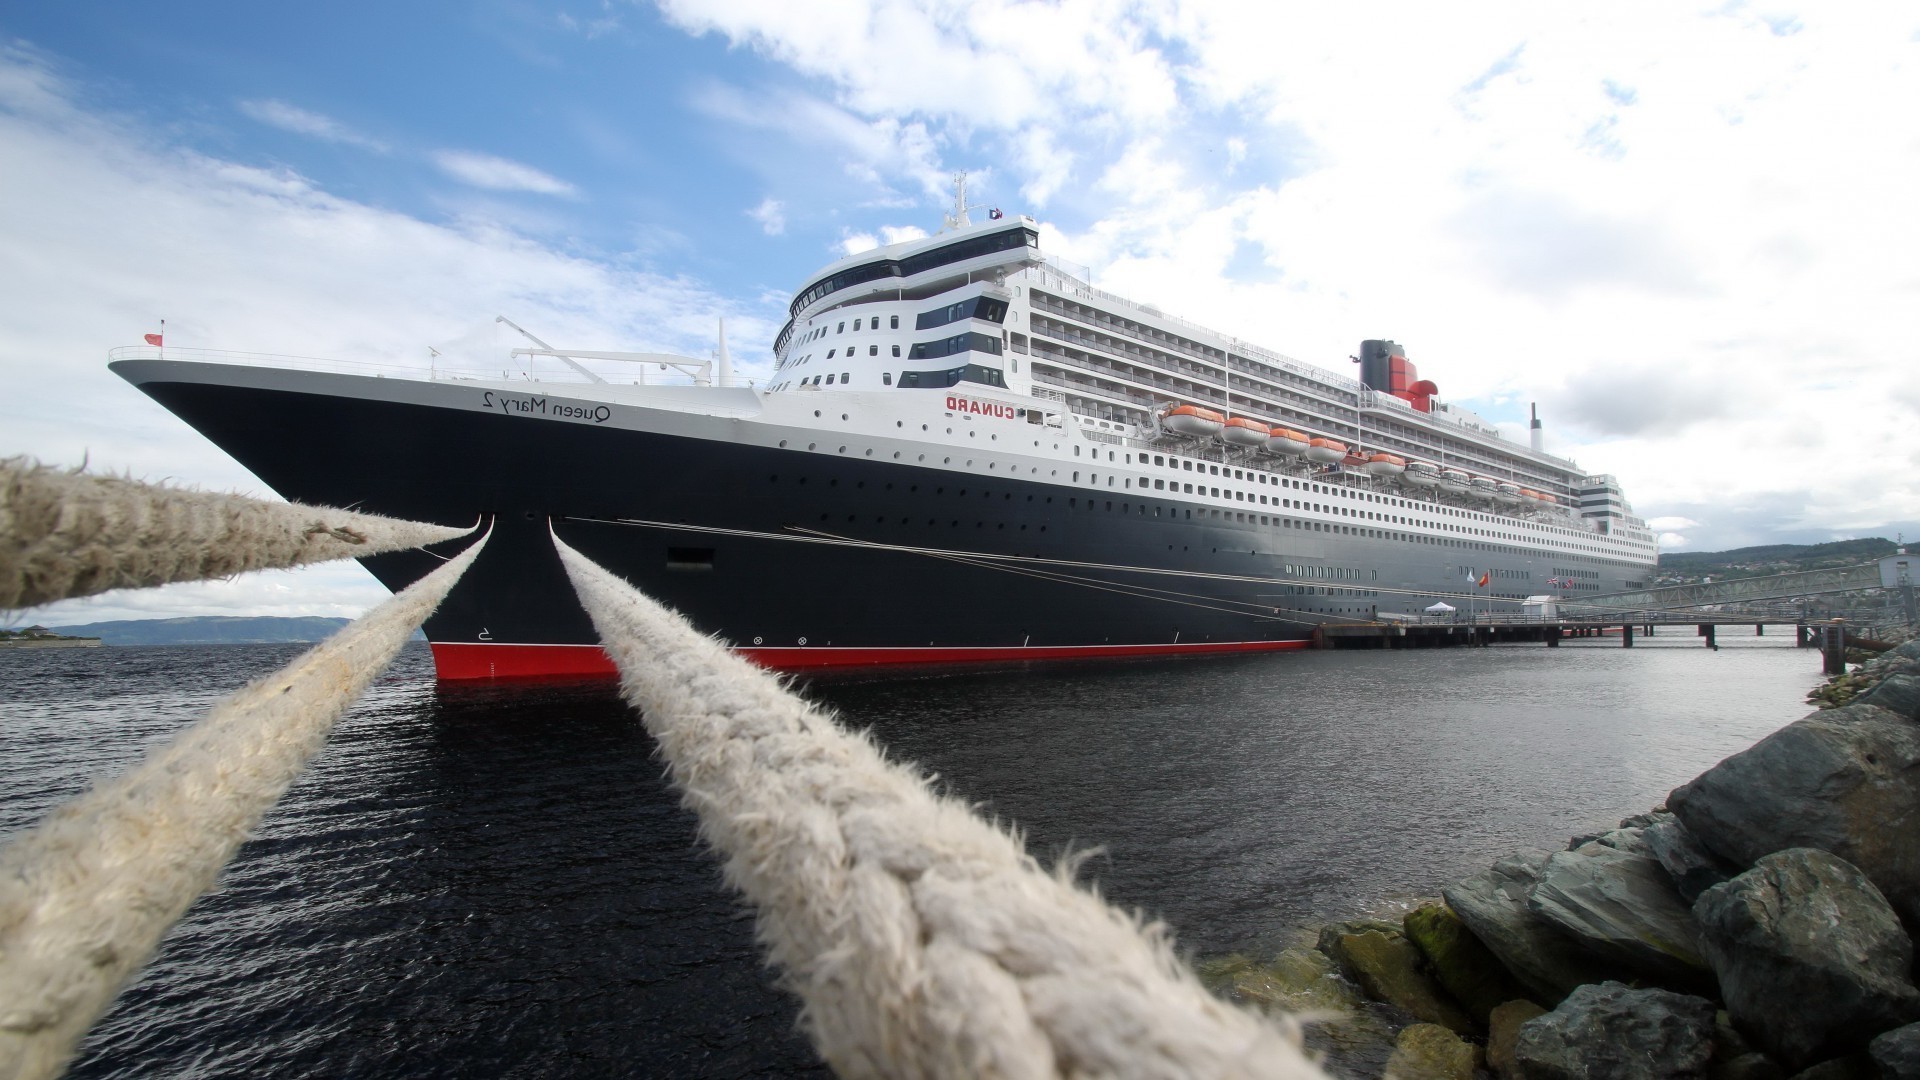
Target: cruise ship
(966,453)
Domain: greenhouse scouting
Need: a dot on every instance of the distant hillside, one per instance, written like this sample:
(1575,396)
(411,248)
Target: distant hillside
(1771,559)
(208,630)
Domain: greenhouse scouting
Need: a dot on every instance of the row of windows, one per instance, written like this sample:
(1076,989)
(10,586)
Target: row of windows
(935,380)
(915,264)
(971,341)
(978,307)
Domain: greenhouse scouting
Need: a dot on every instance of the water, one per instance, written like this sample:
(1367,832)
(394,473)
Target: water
(478,882)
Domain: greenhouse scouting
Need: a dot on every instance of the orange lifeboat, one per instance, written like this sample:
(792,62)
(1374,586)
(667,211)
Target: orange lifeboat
(1326,451)
(1287,442)
(1386,465)
(1192,421)
(1240,431)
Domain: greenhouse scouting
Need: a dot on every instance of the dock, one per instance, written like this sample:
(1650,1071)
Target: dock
(1831,636)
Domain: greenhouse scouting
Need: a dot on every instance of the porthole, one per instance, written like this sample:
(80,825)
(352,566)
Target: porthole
(869,451)
(810,446)
(803,641)
(843,416)
(843,449)
(896,455)
(783,444)
(758,640)
(816,412)
(946,461)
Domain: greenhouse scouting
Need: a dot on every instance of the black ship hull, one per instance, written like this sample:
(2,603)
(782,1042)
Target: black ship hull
(799,559)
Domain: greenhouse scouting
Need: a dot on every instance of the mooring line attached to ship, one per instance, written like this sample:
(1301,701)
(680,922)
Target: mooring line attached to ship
(804,535)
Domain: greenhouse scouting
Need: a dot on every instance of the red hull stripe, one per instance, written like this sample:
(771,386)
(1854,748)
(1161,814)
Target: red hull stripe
(462,662)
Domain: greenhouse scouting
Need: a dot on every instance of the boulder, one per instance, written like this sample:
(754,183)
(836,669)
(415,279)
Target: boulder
(1503,1029)
(1752,1065)
(1493,904)
(1611,1030)
(1692,868)
(1623,908)
(1467,970)
(1896,1053)
(1851,1067)
(1843,780)
(1430,1052)
(1908,651)
(1896,694)
(1647,820)
(1387,967)
(1812,960)
(1632,839)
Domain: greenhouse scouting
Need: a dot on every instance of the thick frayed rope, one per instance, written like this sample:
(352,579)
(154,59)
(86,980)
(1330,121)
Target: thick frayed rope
(66,534)
(87,894)
(922,941)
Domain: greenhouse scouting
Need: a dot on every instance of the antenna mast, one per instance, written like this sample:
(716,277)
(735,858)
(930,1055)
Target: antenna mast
(958,218)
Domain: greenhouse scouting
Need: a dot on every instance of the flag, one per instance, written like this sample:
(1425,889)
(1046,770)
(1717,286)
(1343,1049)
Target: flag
(994,214)
(1484,578)
(153,339)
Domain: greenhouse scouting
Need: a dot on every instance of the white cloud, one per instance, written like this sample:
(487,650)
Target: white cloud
(499,174)
(1672,541)
(853,243)
(1672,227)
(897,234)
(771,214)
(127,230)
(1671,523)
(300,121)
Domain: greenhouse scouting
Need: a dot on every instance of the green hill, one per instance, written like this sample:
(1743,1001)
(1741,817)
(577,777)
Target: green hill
(208,630)
(1771,559)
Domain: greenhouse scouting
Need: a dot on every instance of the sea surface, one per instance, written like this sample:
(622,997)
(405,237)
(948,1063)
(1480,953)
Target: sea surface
(500,883)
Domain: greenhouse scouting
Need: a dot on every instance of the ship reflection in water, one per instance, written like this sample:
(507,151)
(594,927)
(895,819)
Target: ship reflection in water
(501,883)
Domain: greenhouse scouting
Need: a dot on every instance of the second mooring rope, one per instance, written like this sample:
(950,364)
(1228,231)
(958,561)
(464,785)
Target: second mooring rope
(923,941)
(88,893)
(66,534)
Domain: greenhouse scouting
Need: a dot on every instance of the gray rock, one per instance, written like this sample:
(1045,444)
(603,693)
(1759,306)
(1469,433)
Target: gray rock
(1646,820)
(1631,839)
(1389,968)
(1897,694)
(1909,651)
(1844,780)
(1622,907)
(1430,1052)
(1613,1031)
(1897,1053)
(1812,960)
(1503,1031)
(1749,1066)
(1692,867)
(1851,1067)
(1493,904)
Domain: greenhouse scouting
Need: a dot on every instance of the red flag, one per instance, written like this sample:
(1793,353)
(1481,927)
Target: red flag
(1484,578)
(153,339)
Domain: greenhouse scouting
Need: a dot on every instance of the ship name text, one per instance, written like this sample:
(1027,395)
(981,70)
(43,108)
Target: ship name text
(980,408)
(540,406)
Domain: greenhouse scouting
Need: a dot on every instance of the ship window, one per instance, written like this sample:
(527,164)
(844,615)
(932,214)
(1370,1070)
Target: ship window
(845,378)
(856,326)
(893,322)
(1159,485)
(830,353)
(829,379)
(896,350)
(1187,465)
(886,378)
(873,350)
(842,330)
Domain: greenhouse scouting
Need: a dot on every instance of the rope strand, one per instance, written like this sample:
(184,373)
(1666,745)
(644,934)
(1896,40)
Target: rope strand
(922,941)
(86,895)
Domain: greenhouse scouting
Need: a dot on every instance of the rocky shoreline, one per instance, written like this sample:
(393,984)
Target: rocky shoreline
(1758,926)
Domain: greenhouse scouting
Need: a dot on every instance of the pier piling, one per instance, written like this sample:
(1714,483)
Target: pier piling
(1834,649)
(1626,636)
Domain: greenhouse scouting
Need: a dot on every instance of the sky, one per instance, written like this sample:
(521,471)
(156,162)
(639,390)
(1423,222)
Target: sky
(1688,233)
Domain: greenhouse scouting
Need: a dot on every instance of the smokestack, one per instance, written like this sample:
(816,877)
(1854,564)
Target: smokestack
(1539,437)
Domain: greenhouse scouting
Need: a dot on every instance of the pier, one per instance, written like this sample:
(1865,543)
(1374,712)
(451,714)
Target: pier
(1831,636)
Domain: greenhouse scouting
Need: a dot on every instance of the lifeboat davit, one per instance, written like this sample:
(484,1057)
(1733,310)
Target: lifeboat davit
(1326,451)
(1507,493)
(1192,421)
(1422,473)
(1386,465)
(1287,442)
(1482,488)
(1453,480)
(1240,431)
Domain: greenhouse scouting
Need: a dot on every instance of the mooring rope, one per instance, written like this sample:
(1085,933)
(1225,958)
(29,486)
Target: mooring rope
(87,894)
(922,941)
(66,534)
